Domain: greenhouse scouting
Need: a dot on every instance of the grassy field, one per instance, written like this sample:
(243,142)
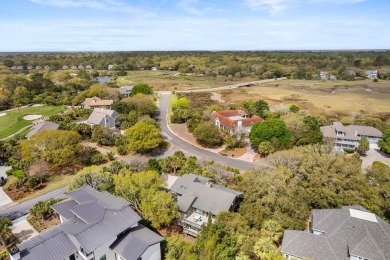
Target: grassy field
(336,99)
(13,120)
(173,80)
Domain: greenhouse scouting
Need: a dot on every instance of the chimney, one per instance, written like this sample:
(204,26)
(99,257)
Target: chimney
(239,124)
(14,253)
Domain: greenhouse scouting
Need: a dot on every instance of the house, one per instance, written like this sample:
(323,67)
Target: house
(38,67)
(29,67)
(154,68)
(196,197)
(94,225)
(96,102)
(80,67)
(20,67)
(65,67)
(104,117)
(349,136)
(372,74)
(46,67)
(43,126)
(326,76)
(125,91)
(74,67)
(347,233)
(110,67)
(235,121)
(88,67)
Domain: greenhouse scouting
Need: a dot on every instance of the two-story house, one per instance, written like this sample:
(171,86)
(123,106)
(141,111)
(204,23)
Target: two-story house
(347,233)
(104,117)
(94,226)
(235,121)
(197,197)
(125,91)
(349,136)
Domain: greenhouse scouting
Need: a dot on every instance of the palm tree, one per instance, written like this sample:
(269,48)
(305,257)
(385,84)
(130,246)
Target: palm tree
(5,223)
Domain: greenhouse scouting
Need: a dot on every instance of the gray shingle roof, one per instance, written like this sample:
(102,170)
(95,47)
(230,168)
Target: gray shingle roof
(98,114)
(135,242)
(184,202)
(43,126)
(347,231)
(209,199)
(365,130)
(330,131)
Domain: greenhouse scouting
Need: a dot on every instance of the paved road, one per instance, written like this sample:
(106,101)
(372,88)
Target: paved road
(22,209)
(239,85)
(179,144)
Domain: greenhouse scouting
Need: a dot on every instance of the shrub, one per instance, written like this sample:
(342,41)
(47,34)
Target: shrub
(19,174)
(97,158)
(9,172)
(33,181)
(208,134)
(111,156)
(349,150)
(121,150)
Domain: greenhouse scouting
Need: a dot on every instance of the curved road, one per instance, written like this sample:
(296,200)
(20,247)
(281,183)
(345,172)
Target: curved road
(180,144)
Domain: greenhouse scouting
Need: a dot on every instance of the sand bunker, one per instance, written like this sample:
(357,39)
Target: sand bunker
(32,117)
(37,105)
(3,114)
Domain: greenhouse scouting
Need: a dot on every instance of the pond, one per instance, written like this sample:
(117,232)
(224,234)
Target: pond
(104,79)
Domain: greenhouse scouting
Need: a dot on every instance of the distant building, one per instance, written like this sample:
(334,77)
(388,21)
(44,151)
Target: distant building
(103,117)
(326,76)
(46,67)
(110,67)
(73,75)
(29,67)
(20,67)
(74,67)
(88,67)
(94,225)
(38,67)
(347,233)
(80,67)
(372,74)
(96,102)
(196,197)
(153,68)
(65,67)
(349,136)
(235,120)
(43,126)
(125,91)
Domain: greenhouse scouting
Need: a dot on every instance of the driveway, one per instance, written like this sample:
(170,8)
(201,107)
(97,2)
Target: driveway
(22,229)
(4,199)
(188,148)
(374,154)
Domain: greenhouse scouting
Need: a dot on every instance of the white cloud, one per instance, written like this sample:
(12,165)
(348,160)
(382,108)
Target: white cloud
(195,7)
(275,6)
(109,5)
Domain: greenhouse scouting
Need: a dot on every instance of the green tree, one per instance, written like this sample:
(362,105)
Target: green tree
(158,208)
(271,130)
(43,209)
(294,108)
(5,225)
(142,88)
(143,137)
(250,107)
(261,107)
(208,134)
(93,176)
(384,144)
(265,249)
(58,147)
(265,148)
(178,249)
(143,104)
(364,146)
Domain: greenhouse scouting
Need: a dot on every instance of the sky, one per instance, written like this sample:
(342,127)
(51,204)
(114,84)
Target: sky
(169,25)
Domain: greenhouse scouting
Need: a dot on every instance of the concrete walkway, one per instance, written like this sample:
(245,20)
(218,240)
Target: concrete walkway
(22,229)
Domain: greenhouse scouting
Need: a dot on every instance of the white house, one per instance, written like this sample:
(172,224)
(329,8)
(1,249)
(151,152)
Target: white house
(235,121)
(372,74)
(94,225)
(349,136)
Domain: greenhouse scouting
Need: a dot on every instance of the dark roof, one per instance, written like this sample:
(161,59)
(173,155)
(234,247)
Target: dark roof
(43,126)
(98,217)
(98,114)
(135,242)
(209,199)
(347,231)
(63,208)
(185,201)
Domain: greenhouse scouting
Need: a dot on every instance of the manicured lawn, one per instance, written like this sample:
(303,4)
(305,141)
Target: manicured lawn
(13,120)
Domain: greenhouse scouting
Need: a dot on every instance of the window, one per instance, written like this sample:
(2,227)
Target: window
(103,258)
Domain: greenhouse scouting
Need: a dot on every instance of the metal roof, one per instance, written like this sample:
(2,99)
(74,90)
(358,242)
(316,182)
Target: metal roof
(135,242)
(212,198)
(344,233)
(63,208)
(184,202)
(98,218)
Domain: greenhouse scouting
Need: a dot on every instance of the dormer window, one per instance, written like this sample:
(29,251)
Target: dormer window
(340,133)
